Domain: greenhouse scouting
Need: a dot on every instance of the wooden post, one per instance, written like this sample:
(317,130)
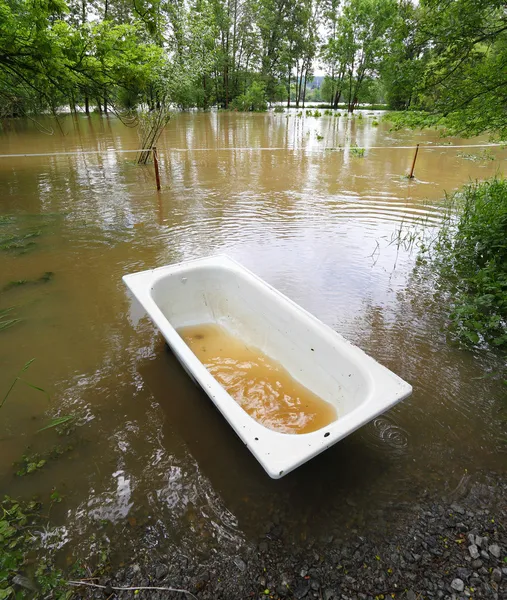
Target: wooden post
(155,162)
(411,176)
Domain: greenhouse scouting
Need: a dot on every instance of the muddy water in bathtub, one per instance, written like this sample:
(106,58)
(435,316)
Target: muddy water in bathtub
(259,384)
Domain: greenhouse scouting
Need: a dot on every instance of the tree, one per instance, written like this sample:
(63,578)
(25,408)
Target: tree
(464,85)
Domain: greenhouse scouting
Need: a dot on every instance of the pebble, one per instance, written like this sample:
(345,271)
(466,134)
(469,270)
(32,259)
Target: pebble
(484,555)
(496,575)
(495,550)
(458,585)
(457,508)
(474,551)
(240,564)
(161,571)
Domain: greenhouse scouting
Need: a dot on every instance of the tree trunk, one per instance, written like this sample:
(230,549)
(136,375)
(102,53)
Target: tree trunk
(99,106)
(304,89)
(87,105)
(288,93)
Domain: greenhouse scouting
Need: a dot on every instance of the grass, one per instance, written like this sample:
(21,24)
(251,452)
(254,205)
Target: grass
(23,574)
(470,256)
(19,243)
(47,276)
(6,319)
(485,155)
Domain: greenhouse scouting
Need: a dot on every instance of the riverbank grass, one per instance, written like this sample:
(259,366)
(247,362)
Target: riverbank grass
(471,256)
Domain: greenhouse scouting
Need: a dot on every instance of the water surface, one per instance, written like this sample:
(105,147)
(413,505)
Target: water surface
(151,459)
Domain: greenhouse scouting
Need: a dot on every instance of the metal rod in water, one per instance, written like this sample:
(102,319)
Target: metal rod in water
(411,176)
(155,162)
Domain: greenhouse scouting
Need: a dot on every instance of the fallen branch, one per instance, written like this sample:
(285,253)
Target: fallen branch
(122,589)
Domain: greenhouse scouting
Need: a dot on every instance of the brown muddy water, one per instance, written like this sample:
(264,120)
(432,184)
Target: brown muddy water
(150,459)
(259,384)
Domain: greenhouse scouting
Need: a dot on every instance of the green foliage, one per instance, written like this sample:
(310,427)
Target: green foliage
(31,463)
(456,53)
(374,123)
(357,152)
(471,258)
(253,100)
(319,137)
(317,113)
(279,109)
(20,577)
(328,113)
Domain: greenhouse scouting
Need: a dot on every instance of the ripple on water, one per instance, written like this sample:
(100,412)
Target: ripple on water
(385,435)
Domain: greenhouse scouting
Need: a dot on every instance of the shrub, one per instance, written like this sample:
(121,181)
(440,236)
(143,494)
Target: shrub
(328,113)
(254,99)
(471,258)
(317,113)
(279,109)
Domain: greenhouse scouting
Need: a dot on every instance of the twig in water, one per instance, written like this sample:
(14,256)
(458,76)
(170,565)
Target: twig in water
(122,589)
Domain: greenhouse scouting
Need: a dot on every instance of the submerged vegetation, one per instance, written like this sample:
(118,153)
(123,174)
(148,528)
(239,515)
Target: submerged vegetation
(470,256)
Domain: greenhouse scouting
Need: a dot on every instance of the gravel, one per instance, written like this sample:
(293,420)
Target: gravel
(430,551)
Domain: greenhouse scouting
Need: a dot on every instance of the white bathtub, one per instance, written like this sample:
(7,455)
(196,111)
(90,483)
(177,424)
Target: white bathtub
(219,290)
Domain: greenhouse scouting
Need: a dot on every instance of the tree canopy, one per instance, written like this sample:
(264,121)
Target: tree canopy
(444,60)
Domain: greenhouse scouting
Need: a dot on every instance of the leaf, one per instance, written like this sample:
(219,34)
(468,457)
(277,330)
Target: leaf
(57,421)
(6,593)
(27,364)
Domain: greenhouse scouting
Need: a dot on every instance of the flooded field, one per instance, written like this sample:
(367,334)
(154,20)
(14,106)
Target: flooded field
(146,457)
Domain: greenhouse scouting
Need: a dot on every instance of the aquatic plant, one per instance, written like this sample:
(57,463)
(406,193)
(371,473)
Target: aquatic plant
(357,152)
(47,276)
(360,116)
(319,137)
(328,113)
(279,109)
(34,578)
(19,242)
(486,154)
(6,318)
(317,113)
(374,123)
(470,257)
(308,113)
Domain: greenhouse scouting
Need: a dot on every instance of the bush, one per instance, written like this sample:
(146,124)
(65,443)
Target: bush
(471,257)
(328,113)
(254,99)
(317,113)
(279,109)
